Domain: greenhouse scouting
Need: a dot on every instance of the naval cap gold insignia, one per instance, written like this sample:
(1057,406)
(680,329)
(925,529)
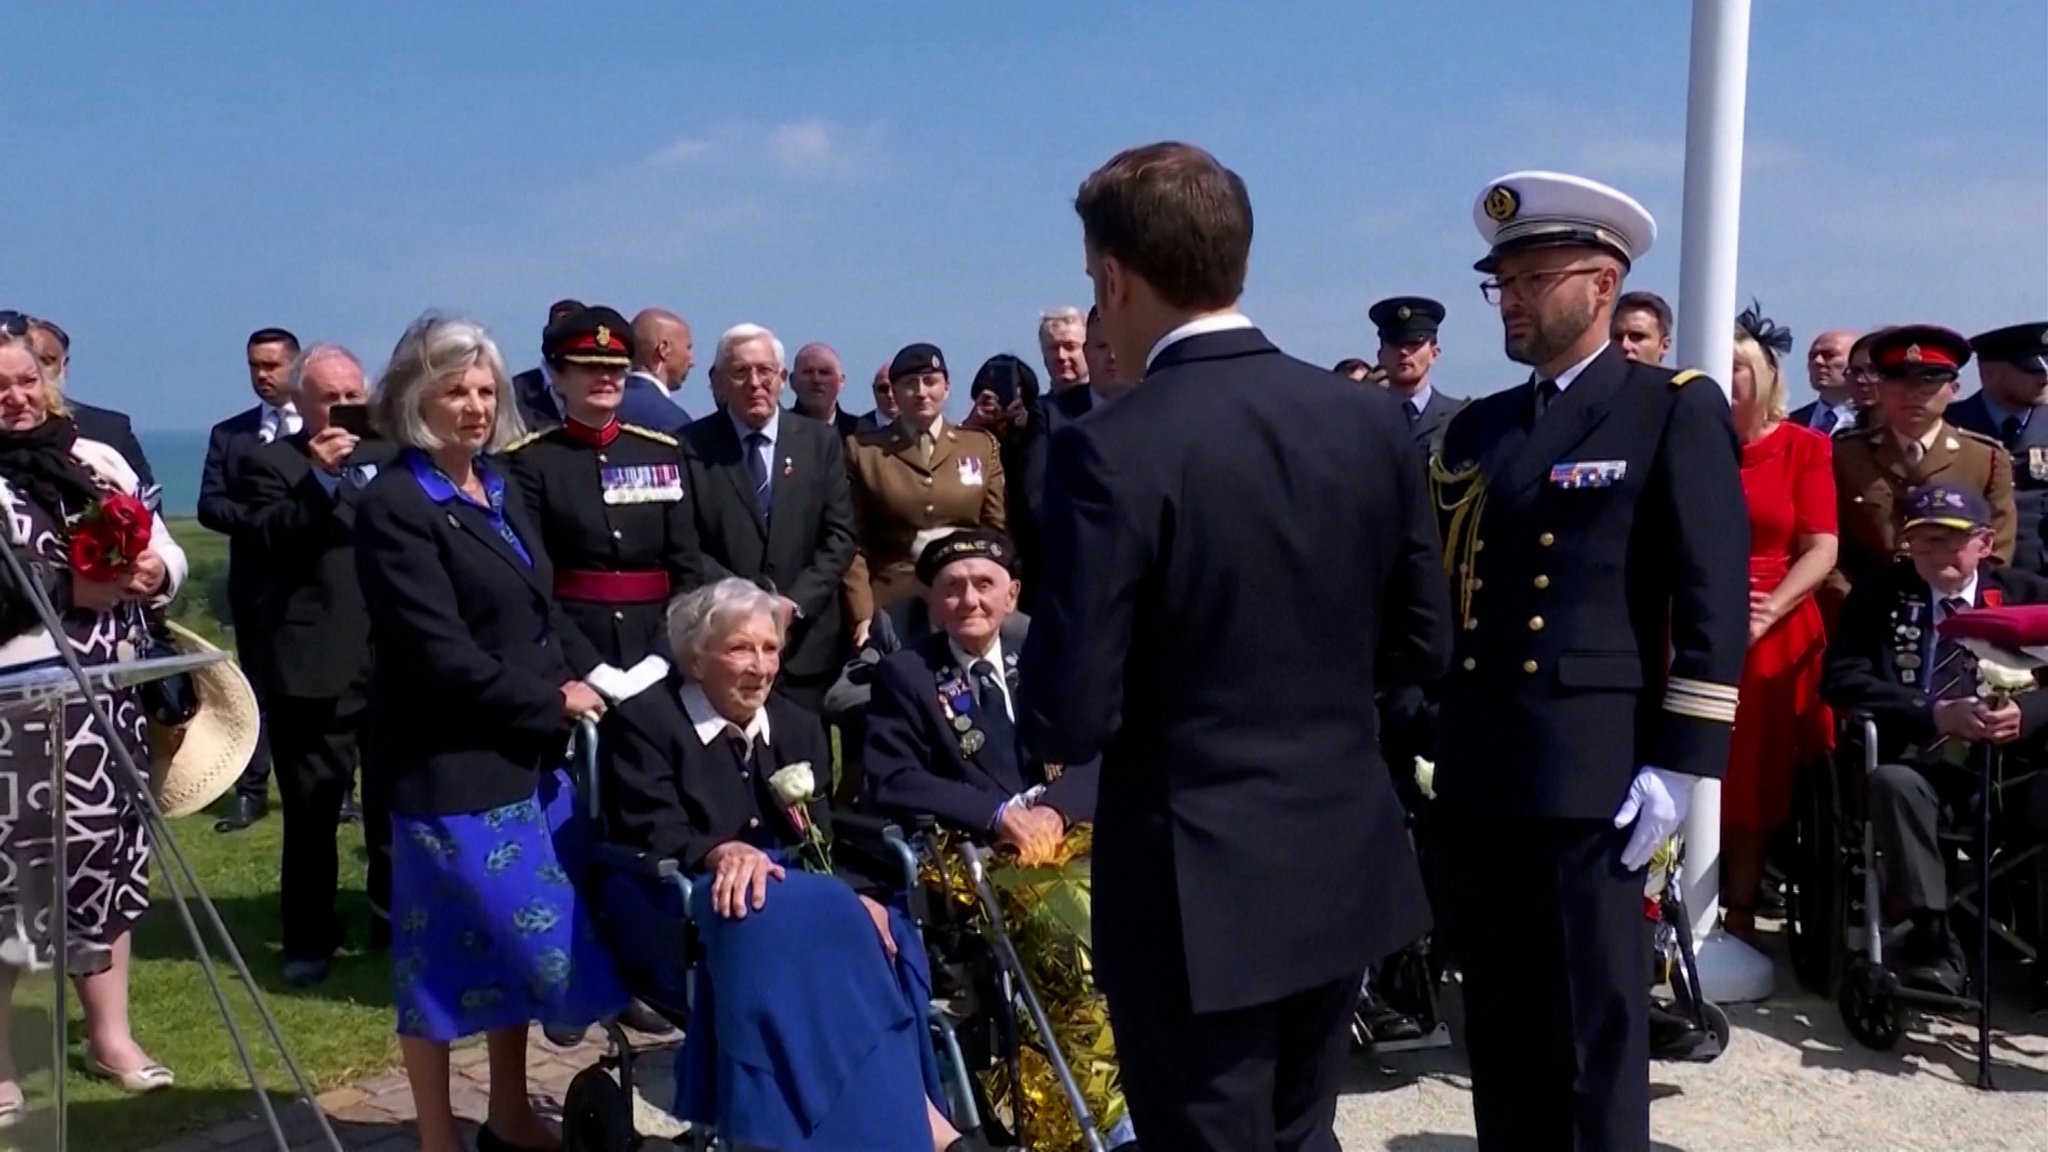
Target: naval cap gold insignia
(1913,355)
(1501,203)
(604,336)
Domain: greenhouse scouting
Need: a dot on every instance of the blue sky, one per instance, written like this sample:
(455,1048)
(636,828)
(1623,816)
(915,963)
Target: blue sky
(875,173)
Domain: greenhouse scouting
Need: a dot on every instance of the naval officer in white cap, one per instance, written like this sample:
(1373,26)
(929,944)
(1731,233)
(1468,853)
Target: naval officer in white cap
(1597,543)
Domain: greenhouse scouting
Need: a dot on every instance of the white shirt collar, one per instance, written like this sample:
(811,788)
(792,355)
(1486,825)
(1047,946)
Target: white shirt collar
(966,661)
(1968,596)
(1199,326)
(280,421)
(1420,400)
(710,725)
(1564,379)
(651,378)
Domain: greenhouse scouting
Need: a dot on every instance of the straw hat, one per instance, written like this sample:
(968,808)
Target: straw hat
(192,766)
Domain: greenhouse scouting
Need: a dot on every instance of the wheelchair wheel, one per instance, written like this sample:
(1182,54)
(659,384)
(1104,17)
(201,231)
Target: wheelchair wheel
(597,1115)
(1718,1024)
(1816,899)
(1875,1016)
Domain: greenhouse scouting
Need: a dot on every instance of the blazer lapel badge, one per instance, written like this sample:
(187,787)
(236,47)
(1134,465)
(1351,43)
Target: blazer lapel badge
(956,703)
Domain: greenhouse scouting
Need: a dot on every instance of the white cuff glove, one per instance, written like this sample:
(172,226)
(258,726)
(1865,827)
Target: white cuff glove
(616,686)
(1656,804)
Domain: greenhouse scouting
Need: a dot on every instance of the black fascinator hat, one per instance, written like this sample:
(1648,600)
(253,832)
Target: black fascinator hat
(1775,341)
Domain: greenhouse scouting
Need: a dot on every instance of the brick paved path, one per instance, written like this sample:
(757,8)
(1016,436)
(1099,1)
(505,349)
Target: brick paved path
(376,1115)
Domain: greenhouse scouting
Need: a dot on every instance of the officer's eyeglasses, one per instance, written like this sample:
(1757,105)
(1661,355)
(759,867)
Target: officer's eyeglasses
(1528,285)
(750,373)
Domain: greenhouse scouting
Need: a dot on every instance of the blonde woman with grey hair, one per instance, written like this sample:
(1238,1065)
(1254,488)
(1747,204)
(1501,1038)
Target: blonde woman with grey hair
(819,1040)
(472,694)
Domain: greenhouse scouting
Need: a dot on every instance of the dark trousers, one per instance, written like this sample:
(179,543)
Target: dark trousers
(316,758)
(1906,806)
(1550,931)
(255,781)
(1261,1079)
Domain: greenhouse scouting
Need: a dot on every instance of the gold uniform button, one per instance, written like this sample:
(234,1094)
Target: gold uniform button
(1461,569)
(1470,663)
(1472,625)
(618,615)
(1543,582)
(1477,583)
(927,481)
(618,535)
(753,821)
(1479,545)
(1529,666)
(927,509)
(1546,539)
(1535,623)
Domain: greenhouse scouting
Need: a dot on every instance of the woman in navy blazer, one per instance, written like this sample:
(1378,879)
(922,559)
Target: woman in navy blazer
(471,696)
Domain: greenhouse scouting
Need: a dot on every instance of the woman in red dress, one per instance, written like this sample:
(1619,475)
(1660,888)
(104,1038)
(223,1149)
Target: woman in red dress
(1780,722)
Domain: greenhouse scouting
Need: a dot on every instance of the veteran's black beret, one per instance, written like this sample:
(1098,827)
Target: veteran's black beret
(966,544)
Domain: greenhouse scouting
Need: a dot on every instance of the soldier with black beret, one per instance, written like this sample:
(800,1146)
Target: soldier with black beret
(912,481)
(2012,364)
(608,496)
(1408,351)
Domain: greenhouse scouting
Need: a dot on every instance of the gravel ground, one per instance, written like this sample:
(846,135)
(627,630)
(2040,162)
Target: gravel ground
(1793,1078)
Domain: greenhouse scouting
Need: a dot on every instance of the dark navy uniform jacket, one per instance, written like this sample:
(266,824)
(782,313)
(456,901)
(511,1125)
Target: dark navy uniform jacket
(1599,564)
(2028,446)
(622,508)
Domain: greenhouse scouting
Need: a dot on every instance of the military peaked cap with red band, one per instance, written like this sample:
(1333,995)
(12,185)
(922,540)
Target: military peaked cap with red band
(1919,351)
(596,336)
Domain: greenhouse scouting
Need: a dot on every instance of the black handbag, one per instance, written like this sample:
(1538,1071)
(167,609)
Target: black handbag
(174,700)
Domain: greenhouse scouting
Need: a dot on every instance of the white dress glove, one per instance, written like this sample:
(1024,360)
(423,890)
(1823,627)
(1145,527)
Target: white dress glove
(1656,804)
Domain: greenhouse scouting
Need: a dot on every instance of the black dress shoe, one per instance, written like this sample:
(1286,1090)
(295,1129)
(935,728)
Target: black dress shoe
(640,1018)
(351,812)
(306,973)
(242,812)
(380,934)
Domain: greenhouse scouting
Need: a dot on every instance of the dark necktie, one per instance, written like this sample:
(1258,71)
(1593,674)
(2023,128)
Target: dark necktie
(757,470)
(1413,412)
(995,716)
(1829,418)
(1547,393)
(2009,430)
(1955,670)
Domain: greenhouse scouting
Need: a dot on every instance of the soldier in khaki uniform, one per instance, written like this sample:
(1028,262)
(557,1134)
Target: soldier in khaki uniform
(914,480)
(1912,445)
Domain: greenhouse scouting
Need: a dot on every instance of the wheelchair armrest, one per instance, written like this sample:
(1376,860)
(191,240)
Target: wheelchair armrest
(885,837)
(632,861)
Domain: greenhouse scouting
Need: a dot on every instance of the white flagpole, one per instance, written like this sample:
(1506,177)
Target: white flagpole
(1716,96)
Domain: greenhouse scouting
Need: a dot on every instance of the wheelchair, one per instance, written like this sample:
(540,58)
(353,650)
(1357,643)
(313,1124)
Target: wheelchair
(660,959)
(1835,910)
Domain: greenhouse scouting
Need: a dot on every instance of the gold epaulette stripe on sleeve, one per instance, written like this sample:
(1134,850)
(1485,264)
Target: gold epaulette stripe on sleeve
(529,438)
(648,434)
(1686,377)
(1701,699)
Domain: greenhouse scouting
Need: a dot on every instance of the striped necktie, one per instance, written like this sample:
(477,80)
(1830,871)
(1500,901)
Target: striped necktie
(757,471)
(1955,669)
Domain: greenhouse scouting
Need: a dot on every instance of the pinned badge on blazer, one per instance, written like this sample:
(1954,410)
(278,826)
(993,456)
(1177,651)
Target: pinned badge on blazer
(970,472)
(2037,463)
(789,466)
(1588,473)
(971,742)
(962,723)
(642,483)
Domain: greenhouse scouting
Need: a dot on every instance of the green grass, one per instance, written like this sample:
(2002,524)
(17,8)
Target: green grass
(338,1032)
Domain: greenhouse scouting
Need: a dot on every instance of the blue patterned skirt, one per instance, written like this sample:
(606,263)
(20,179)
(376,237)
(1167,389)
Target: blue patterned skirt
(487,928)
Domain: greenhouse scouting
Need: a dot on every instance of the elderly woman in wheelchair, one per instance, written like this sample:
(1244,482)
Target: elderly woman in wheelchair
(1887,661)
(812,995)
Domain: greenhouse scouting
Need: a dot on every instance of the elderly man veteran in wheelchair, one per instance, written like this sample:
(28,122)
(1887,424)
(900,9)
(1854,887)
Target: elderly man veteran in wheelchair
(942,743)
(816,991)
(1886,660)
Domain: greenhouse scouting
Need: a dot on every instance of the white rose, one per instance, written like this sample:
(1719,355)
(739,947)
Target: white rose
(793,783)
(1425,777)
(2003,679)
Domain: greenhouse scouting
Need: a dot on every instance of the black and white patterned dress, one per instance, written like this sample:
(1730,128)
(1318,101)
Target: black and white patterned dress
(108,844)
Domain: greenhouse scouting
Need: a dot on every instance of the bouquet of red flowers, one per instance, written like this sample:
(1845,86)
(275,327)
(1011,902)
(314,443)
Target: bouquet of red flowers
(108,539)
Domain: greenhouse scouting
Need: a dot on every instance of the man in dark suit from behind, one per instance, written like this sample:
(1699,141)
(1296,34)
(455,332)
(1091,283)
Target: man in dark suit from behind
(224,507)
(1209,537)
(774,505)
(302,492)
(52,348)
(532,389)
(818,381)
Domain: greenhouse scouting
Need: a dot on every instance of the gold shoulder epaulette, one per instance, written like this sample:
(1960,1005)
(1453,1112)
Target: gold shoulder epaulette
(529,438)
(648,434)
(1686,377)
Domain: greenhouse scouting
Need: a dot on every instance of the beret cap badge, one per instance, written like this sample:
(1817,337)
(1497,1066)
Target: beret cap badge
(1502,203)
